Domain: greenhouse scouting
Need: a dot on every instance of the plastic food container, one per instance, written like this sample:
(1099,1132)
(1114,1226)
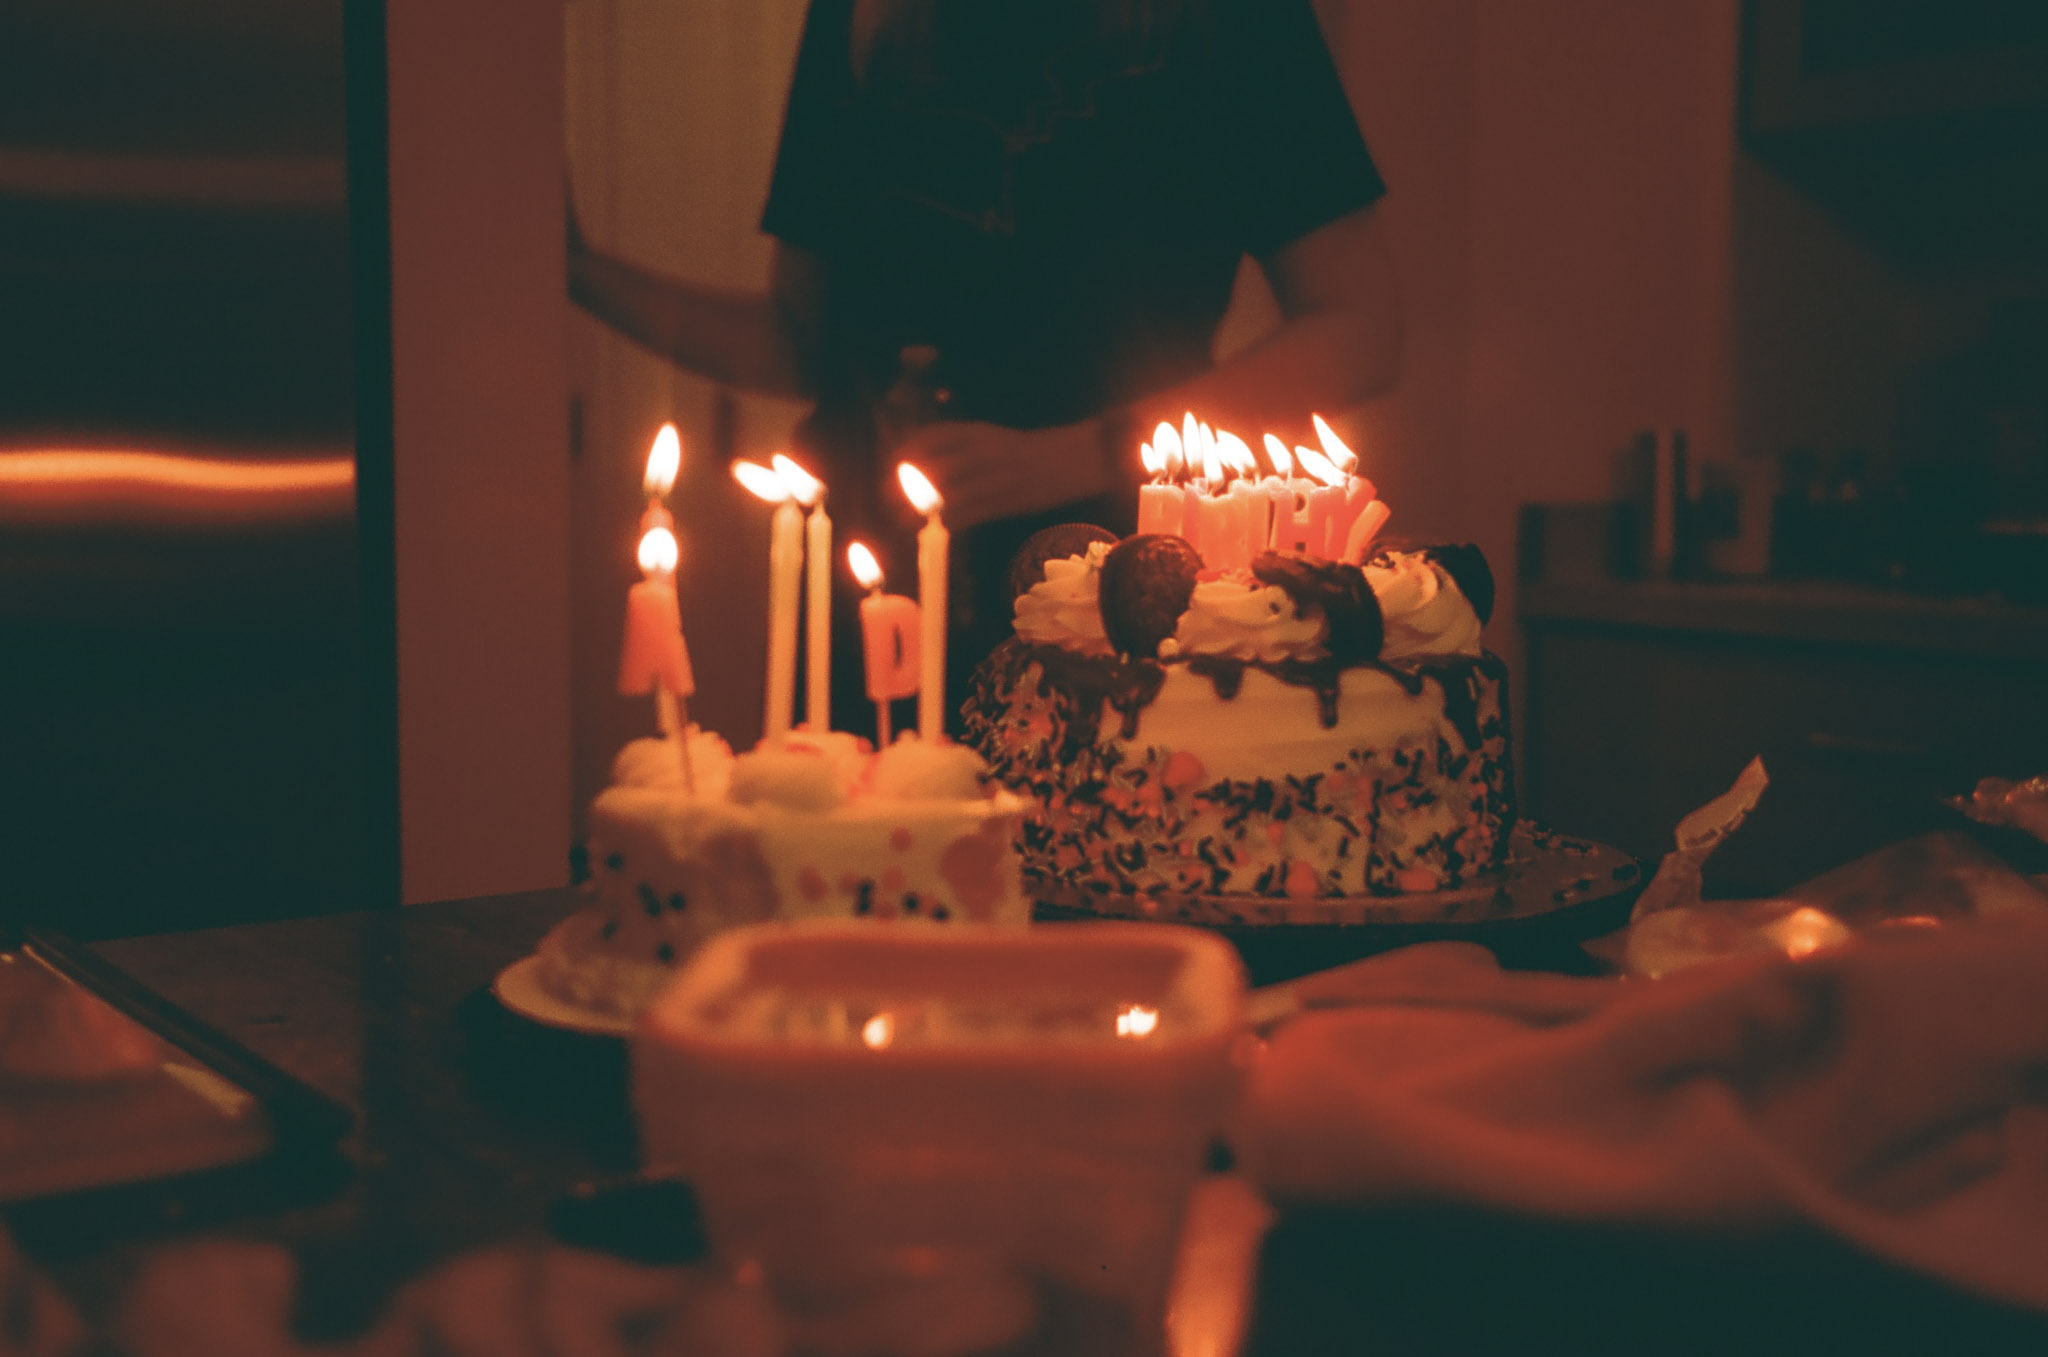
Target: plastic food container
(946,1140)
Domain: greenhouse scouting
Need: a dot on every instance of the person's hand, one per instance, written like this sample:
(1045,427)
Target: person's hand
(987,471)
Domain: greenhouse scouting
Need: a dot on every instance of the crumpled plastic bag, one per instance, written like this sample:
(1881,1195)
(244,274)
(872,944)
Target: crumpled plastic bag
(1923,882)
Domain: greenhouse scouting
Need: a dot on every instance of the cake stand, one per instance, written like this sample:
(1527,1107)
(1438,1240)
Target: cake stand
(1551,894)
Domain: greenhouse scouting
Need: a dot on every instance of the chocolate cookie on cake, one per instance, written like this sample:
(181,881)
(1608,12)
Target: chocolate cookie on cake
(1292,727)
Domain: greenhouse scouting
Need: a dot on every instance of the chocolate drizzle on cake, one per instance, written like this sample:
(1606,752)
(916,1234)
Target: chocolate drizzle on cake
(1153,577)
(1321,677)
(1338,591)
(1226,672)
(1089,681)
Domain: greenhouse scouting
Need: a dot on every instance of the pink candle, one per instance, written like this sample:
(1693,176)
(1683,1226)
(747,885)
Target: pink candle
(1325,536)
(1249,507)
(1350,500)
(655,657)
(1250,504)
(889,627)
(1358,539)
(1220,521)
(1159,504)
(1359,493)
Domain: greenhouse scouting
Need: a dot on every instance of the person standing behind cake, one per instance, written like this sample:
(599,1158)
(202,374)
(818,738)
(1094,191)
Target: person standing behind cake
(1025,219)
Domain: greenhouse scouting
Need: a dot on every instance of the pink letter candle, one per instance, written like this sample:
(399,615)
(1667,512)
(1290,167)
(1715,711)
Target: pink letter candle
(889,629)
(1325,504)
(1160,505)
(1358,540)
(655,658)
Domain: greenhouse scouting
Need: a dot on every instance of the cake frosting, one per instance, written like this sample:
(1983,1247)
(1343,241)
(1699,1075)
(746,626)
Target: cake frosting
(1303,728)
(814,827)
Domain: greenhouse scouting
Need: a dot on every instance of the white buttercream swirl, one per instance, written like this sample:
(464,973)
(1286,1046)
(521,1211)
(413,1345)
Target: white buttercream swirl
(912,770)
(1065,608)
(1239,617)
(805,772)
(1425,613)
(654,763)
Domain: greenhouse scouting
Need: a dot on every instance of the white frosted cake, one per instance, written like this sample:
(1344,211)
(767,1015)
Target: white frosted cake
(1295,729)
(819,827)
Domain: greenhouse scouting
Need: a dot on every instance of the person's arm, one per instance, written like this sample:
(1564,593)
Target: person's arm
(1338,344)
(751,340)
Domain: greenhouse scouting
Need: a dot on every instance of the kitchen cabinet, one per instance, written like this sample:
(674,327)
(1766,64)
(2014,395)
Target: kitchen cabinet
(1867,706)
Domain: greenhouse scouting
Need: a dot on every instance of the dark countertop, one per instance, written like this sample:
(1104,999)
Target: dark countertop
(1822,613)
(471,1124)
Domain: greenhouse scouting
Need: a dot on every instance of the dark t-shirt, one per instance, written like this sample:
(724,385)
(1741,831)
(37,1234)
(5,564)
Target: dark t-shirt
(1059,214)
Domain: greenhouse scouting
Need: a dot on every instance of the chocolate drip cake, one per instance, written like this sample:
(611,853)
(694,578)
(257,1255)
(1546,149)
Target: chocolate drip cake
(1295,729)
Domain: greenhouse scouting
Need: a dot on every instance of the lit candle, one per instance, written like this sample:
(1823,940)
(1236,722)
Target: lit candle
(809,491)
(785,564)
(1195,493)
(1249,503)
(889,634)
(664,460)
(1359,493)
(1160,506)
(655,658)
(1220,514)
(933,545)
(1320,534)
(1289,495)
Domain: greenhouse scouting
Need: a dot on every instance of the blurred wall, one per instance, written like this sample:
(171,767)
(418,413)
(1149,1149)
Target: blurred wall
(1560,207)
(481,434)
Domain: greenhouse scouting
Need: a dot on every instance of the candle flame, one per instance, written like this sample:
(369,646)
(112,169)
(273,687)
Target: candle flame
(659,552)
(1341,456)
(664,460)
(1282,459)
(1166,438)
(1154,460)
(924,496)
(1236,454)
(1318,466)
(1212,463)
(878,1031)
(761,481)
(866,568)
(1191,443)
(1136,1020)
(804,488)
